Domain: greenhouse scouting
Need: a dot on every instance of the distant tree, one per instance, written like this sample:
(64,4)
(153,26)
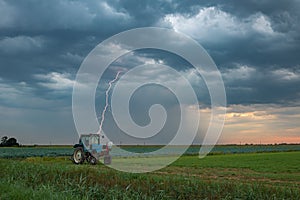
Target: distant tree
(12,142)
(5,142)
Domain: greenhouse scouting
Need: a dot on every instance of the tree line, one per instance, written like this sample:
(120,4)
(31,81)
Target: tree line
(8,142)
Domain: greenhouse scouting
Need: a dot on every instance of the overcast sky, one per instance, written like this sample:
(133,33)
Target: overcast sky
(255,44)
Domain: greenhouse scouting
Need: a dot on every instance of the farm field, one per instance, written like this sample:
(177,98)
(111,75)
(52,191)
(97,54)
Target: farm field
(53,151)
(273,175)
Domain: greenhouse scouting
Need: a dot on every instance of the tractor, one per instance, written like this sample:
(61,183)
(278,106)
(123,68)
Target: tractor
(90,148)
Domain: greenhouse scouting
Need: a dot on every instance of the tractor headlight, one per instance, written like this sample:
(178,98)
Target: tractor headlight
(110,144)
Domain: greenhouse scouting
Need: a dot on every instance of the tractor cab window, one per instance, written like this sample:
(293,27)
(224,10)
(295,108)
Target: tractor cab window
(85,141)
(94,139)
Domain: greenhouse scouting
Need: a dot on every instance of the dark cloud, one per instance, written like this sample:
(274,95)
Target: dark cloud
(255,44)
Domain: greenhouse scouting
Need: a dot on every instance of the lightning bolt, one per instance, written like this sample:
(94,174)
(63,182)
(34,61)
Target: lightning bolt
(106,100)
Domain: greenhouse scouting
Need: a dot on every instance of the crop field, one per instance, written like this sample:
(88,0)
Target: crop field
(53,151)
(272,175)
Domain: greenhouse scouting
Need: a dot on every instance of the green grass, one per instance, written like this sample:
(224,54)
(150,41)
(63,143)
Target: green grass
(64,150)
(233,176)
(261,162)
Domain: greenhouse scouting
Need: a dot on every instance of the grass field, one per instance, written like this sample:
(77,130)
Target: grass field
(231,176)
(54,151)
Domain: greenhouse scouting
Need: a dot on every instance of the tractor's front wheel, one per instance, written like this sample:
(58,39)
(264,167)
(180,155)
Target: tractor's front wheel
(92,160)
(78,155)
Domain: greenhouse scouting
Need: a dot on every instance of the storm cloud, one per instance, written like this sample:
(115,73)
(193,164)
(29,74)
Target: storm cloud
(255,44)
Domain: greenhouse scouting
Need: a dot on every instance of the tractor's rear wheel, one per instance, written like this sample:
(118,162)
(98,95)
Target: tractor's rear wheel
(78,155)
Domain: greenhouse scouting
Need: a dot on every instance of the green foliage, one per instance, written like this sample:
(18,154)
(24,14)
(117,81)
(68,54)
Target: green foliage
(54,151)
(261,162)
(239,176)
(5,142)
(23,152)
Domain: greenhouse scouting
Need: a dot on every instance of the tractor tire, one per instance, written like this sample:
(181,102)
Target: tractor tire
(78,156)
(107,159)
(92,160)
